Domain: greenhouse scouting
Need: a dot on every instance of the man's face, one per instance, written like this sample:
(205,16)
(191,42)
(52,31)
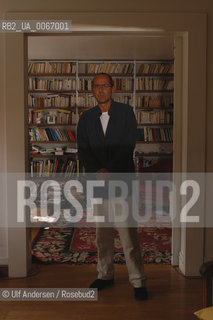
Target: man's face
(102,89)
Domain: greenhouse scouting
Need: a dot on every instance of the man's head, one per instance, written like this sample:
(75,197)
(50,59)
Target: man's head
(102,87)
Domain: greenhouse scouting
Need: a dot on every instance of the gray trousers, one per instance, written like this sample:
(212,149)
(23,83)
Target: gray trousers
(130,243)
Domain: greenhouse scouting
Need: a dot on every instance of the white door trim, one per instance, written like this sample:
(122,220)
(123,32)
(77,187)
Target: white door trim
(192,144)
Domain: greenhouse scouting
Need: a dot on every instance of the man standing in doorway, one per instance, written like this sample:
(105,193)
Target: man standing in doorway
(106,140)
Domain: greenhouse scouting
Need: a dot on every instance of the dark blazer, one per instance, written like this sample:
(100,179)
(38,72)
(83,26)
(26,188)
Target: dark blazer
(114,150)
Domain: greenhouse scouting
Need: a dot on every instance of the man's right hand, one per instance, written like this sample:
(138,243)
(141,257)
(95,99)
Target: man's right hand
(102,174)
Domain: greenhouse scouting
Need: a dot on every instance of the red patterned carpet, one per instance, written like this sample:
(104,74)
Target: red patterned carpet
(69,245)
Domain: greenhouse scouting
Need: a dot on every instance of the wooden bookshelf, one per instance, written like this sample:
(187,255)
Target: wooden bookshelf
(154,125)
(80,98)
(51,75)
(51,125)
(154,91)
(50,91)
(113,75)
(72,155)
(152,142)
(163,75)
(45,141)
(153,154)
(170,109)
(54,108)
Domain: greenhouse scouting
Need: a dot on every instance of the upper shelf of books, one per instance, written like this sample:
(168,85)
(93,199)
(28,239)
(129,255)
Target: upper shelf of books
(115,68)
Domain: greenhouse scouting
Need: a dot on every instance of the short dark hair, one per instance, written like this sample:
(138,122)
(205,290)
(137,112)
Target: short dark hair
(103,74)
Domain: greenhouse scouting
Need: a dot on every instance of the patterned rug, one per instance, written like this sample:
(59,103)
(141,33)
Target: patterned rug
(69,245)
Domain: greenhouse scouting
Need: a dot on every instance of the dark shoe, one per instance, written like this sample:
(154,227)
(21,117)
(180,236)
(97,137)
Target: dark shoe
(141,293)
(101,284)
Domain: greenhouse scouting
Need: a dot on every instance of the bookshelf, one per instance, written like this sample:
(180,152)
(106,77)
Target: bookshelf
(52,118)
(59,91)
(154,83)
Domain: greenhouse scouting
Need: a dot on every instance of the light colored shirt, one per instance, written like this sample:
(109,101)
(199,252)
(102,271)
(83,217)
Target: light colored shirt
(104,120)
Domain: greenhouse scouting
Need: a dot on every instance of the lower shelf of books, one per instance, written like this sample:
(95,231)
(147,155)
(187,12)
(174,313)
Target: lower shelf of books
(50,167)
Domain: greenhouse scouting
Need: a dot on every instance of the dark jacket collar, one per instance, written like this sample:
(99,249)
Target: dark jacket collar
(110,111)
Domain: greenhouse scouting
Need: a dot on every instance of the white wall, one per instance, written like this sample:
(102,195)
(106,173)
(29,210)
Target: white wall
(114,47)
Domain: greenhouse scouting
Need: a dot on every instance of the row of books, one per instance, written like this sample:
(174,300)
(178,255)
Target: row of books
(124,99)
(155,68)
(69,100)
(86,84)
(50,117)
(47,67)
(148,134)
(38,150)
(154,117)
(52,100)
(123,84)
(51,67)
(119,84)
(154,84)
(50,167)
(51,134)
(154,101)
(86,100)
(51,84)
(108,67)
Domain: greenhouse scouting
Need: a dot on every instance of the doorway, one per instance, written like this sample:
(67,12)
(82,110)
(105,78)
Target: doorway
(109,51)
(171,22)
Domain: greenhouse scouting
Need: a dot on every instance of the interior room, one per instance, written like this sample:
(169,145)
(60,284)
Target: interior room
(178,282)
(137,49)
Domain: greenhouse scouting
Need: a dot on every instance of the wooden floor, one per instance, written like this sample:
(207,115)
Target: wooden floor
(172,297)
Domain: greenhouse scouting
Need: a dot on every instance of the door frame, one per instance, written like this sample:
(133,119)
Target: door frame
(190,32)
